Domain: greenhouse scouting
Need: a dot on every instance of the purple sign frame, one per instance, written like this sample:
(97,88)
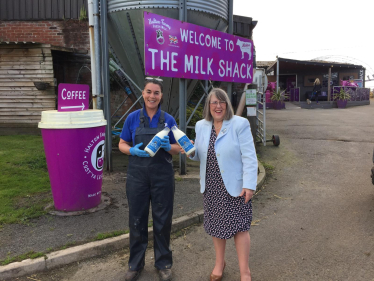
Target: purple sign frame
(73,97)
(179,49)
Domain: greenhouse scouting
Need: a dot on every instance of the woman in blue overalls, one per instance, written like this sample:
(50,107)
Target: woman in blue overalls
(149,179)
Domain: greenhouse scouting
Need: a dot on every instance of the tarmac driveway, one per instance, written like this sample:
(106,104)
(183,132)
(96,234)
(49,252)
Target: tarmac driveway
(313,219)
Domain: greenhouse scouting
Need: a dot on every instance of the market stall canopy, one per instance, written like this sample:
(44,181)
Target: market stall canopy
(288,66)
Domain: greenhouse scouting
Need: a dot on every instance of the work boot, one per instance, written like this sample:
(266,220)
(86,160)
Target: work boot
(164,274)
(132,275)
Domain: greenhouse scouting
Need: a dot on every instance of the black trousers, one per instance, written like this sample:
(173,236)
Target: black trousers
(317,95)
(150,184)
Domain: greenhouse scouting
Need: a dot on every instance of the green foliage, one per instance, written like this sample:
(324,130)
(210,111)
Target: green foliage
(268,167)
(102,236)
(82,14)
(198,115)
(342,95)
(25,187)
(115,141)
(279,95)
(29,255)
(68,245)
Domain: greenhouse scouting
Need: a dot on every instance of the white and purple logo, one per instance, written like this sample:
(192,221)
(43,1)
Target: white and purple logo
(93,162)
(97,156)
(160,37)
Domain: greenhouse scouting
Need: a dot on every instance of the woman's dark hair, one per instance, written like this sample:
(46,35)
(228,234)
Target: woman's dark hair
(156,81)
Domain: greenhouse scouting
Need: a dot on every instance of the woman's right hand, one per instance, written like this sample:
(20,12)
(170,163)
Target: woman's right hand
(135,151)
(192,154)
(181,150)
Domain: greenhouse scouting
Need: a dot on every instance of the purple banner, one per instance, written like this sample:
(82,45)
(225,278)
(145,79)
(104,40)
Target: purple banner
(179,49)
(73,97)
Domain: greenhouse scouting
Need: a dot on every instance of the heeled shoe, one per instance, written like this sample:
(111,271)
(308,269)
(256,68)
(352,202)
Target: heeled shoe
(217,277)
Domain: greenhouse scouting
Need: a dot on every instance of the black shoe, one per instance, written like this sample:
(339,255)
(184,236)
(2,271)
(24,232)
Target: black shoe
(164,274)
(132,275)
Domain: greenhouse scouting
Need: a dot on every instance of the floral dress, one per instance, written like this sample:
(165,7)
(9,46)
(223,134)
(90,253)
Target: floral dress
(224,215)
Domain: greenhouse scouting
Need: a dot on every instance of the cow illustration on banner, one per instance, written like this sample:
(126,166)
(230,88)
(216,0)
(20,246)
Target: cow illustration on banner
(245,47)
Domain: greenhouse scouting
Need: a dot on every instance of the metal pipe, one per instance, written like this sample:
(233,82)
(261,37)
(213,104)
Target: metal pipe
(92,51)
(115,58)
(201,99)
(277,87)
(182,95)
(193,112)
(258,112)
(113,63)
(264,118)
(105,76)
(118,108)
(230,31)
(139,98)
(182,121)
(96,21)
(328,86)
(231,16)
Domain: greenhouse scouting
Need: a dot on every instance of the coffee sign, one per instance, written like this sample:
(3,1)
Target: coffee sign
(73,97)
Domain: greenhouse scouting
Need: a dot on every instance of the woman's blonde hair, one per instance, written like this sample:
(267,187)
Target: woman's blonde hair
(317,82)
(222,96)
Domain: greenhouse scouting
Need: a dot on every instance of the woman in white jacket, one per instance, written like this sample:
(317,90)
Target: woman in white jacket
(228,178)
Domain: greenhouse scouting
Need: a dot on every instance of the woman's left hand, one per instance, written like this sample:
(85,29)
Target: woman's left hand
(248,193)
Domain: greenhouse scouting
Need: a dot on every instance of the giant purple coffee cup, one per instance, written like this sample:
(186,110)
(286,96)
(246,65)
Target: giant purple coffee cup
(74,149)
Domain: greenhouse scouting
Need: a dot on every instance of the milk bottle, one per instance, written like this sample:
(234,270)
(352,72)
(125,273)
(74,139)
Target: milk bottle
(155,144)
(183,140)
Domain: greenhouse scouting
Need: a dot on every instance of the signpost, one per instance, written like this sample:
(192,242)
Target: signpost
(73,97)
(250,97)
(179,49)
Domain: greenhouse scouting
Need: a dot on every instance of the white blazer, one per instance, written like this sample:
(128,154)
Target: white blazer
(235,153)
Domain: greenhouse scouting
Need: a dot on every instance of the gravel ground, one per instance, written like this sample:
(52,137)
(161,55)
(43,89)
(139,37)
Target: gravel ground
(313,219)
(54,232)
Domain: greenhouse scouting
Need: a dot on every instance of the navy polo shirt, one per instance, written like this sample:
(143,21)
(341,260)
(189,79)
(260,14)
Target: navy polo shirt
(132,122)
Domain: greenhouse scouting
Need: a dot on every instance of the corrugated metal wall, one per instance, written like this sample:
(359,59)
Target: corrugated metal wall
(41,9)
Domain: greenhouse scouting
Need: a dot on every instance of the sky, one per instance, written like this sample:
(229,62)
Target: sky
(306,30)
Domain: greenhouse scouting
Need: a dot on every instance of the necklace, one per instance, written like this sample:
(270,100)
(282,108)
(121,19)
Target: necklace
(218,128)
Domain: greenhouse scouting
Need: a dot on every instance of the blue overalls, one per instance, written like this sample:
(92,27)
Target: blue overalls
(150,179)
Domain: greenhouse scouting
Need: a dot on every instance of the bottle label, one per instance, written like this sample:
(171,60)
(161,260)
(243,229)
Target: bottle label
(185,143)
(155,144)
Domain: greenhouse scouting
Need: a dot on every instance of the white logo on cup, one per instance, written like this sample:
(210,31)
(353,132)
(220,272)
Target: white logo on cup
(97,156)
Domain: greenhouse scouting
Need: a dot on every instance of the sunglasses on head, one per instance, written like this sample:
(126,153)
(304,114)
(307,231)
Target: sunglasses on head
(153,79)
